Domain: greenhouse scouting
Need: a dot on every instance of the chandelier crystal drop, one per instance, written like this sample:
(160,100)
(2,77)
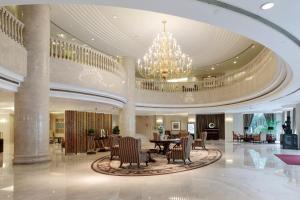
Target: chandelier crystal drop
(164,59)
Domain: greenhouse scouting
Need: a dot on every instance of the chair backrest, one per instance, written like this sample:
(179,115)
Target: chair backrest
(113,140)
(129,149)
(156,136)
(186,143)
(263,136)
(203,136)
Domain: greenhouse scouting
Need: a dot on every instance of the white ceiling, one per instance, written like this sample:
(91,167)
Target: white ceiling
(132,32)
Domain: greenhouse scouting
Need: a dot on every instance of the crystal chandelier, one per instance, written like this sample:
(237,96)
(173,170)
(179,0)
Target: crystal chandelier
(164,59)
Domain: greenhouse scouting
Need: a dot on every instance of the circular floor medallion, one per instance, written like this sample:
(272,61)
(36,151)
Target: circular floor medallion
(199,158)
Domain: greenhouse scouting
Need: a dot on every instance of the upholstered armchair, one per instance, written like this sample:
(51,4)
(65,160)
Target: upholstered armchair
(113,143)
(200,142)
(261,137)
(181,152)
(156,137)
(130,151)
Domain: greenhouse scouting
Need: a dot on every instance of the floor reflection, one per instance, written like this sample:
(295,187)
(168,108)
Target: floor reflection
(243,171)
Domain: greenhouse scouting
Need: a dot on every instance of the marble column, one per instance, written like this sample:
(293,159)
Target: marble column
(127,114)
(233,122)
(31,142)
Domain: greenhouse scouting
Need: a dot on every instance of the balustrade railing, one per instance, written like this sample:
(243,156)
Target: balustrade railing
(83,55)
(11,26)
(246,73)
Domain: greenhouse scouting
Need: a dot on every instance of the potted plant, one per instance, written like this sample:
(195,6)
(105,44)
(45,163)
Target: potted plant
(91,132)
(116,130)
(161,131)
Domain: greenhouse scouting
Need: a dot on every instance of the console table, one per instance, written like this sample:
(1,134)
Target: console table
(212,133)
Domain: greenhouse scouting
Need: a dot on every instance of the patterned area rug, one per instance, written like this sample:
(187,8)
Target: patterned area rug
(199,158)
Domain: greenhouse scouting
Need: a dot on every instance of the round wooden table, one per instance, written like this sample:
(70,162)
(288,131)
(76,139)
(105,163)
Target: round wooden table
(166,144)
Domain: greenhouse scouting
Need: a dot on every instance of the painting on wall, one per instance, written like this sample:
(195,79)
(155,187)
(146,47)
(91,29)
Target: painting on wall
(175,126)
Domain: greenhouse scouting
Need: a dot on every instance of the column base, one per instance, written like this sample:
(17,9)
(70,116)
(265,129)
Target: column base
(31,159)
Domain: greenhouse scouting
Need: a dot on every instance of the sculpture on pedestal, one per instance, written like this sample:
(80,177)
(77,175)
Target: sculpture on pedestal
(289,140)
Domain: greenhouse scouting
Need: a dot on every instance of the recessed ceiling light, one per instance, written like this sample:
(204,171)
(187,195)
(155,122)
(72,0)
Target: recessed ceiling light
(234,62)
(237,57)
(253,46)
(73,39)
(212,68)
(267,6)
(115,17)
(208,76)
(93,39)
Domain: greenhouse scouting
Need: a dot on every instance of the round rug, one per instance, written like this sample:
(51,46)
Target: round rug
(199,158)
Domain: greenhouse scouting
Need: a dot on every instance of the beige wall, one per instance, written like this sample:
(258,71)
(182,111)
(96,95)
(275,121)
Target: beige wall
(168,119)
(52,126)
(146,125)
(7,127)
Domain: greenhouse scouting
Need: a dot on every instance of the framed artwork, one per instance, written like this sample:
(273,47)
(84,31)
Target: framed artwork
(191,128)
(175,126)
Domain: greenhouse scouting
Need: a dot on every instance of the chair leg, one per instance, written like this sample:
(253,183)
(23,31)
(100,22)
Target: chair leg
(146,163)
(121,164)
(184,161)
(189,159)
(138,164)
(111,157)
(168,160)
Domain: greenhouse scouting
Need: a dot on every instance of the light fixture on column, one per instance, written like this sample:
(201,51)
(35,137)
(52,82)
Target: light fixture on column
(164,59)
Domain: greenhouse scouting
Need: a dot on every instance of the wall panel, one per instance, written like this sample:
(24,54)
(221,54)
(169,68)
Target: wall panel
(77,125)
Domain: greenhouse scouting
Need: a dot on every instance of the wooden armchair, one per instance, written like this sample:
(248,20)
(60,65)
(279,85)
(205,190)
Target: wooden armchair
(181,152)
(130,151)
(200,142)
(113,143)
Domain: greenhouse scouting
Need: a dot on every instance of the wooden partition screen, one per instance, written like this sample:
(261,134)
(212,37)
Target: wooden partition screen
(77,125)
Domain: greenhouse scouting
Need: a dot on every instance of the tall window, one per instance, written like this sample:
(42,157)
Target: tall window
(258,124)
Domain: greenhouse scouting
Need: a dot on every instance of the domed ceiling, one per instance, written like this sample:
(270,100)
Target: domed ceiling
(129,32)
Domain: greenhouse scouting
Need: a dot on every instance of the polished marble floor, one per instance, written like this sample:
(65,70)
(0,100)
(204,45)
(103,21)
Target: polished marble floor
(246,171)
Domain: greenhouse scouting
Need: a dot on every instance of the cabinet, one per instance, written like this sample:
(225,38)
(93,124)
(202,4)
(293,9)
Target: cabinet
(212,133)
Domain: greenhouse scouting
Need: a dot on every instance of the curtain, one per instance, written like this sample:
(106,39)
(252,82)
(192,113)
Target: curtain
(247,119)
(270,119)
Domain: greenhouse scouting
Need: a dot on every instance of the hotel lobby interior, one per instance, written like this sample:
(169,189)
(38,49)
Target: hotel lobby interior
(138,99)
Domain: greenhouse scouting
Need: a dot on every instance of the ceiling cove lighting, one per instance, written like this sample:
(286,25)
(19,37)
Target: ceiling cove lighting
(267,6)
(164,59)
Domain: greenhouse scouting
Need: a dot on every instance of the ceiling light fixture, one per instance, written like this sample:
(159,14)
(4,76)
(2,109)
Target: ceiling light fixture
(234,62)
(61,35)
(164,59)
(93,39)
(212,68)
(267,6)
(115,17)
